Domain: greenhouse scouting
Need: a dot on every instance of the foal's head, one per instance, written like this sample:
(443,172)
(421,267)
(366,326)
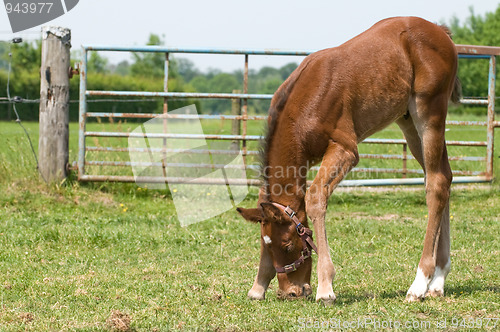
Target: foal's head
(285,247)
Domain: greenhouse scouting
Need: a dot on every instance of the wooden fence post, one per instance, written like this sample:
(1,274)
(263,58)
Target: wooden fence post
(53,151)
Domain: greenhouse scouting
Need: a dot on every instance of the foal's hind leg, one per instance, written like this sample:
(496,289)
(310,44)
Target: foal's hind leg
(337,162)
(429,120)
(443,263)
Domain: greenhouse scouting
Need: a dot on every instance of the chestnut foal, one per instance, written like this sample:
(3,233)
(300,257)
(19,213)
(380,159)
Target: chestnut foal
(400,70)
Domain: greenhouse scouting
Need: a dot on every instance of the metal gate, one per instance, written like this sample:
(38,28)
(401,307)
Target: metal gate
(247,141)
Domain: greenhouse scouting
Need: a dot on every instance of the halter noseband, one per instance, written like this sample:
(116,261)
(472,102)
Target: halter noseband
(306,237)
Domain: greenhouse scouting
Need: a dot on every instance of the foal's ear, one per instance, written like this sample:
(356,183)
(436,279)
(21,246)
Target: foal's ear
(253,215)
(272,213)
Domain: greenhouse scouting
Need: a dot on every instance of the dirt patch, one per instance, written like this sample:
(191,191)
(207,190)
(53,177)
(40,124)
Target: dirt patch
(57,195)
(96,197)
(386,217)
(26,317)
(80,292)
(118,321)
(364,215)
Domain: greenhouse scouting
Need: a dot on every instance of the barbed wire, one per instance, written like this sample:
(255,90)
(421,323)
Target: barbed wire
(17,99)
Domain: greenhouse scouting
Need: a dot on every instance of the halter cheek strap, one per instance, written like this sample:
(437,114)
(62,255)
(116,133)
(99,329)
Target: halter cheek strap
(306,237)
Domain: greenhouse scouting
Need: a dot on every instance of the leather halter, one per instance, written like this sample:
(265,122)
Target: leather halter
(306,237)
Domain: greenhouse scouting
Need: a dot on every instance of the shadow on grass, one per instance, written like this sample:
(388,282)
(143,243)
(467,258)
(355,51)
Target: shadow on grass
(470,288)
(353,297)
(465,289)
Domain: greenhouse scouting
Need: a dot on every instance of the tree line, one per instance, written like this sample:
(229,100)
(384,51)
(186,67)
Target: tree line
(145,73)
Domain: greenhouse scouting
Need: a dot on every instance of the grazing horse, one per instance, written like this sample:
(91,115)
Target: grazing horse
(400,70)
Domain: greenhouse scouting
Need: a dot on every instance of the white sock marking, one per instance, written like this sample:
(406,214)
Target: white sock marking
(419,286)
(437,283)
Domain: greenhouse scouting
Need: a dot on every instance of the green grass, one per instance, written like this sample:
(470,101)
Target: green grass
(74,253)
(14,139)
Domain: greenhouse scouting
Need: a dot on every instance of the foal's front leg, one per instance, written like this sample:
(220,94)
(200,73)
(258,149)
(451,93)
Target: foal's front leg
(337,162)
(264,276)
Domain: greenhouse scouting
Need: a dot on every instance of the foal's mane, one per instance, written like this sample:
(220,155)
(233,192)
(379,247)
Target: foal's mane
(277,105)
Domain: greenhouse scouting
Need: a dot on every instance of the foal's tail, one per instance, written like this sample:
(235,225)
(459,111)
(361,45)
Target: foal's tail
(457,86)
(277,105)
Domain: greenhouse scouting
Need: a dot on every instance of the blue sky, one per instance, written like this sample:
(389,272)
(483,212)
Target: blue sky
(290,24)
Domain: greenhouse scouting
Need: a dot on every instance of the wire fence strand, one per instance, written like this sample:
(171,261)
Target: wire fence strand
(18,119)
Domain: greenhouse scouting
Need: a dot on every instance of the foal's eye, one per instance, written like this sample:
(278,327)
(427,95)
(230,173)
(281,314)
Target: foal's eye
(288,246)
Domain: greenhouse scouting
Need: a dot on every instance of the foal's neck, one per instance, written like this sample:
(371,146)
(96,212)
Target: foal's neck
(286,178)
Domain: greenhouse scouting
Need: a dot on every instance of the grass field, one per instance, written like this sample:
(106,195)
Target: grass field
(78,256)
(13,134)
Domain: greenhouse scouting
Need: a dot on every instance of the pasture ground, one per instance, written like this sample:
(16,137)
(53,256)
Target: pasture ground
(113,256)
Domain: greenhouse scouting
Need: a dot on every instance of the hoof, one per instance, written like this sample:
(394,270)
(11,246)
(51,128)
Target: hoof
(257,296)
(410,297)
(435,293)
(327,301)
